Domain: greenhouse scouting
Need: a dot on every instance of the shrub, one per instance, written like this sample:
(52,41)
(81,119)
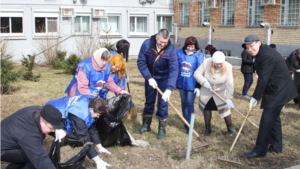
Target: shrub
(8,74)
(29,64)
(59,60)
(71,64)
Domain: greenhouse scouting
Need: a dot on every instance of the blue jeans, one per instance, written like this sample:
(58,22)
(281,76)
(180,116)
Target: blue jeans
(248,80)
(187,103)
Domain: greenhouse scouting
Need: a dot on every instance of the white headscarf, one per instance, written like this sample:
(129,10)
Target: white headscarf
(98,54)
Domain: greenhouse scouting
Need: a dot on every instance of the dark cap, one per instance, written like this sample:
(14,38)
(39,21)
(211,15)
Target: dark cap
(53,116)
(272,45)
(250,39)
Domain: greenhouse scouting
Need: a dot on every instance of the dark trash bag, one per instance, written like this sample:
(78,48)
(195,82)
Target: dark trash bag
(73,163)
(110,127)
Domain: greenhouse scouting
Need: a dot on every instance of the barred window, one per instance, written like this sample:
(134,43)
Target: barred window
(255,13)
(227,12)
(204,13)
(184,13)
(289,13)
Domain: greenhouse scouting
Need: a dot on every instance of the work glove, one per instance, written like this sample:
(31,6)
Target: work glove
(166,95)
(197,92)
(298,70)
(152,83)
(59,134)
(102,164)
(229,103)
(253,102)
(206,84)
(127,79)
(104,151)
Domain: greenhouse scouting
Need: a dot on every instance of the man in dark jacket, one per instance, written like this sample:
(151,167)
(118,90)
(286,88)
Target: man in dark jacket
(158,64)
(247,68)
(274,88)
(22,135)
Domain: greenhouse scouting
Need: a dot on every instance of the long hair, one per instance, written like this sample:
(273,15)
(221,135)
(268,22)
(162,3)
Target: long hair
(191,41)
(212,68)
(123,48)
(118,61)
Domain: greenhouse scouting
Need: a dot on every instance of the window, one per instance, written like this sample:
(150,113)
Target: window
(82,24)
(164,22)
(184,13)
(289,13)
(204,13)
(11,22)
(227,18)
(45,25)
(46,22)
(138,24)
(255,13)
(110,24)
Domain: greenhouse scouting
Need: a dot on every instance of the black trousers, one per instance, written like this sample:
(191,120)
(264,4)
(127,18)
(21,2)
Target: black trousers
(269,131)
(18,158)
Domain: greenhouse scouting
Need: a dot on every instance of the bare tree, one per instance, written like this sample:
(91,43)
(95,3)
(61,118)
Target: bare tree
(86,44)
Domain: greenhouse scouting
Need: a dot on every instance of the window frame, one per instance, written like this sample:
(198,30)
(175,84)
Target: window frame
(164,15)
(252,11)
(11,13)
(90,24)
(112,34)
(202,11)
(286,13)
(182,14)
(46,15)
(225,11)
(138,34)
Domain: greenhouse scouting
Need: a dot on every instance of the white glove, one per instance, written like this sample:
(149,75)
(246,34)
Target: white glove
(253,102)
(104,151)
(229,103)
(152,83)
(256,75)
(206,84)
(102,164)
(166,95)
(59,134)
(197,92)
(127,79)
(298,70)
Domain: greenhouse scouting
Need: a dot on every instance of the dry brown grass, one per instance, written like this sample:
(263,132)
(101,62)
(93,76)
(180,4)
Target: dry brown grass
(171,152)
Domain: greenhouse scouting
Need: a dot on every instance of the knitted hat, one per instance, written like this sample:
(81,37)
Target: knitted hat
(53,116)
(218,57)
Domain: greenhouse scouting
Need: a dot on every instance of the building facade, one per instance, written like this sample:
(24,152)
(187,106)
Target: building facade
(32,26)
(232,20)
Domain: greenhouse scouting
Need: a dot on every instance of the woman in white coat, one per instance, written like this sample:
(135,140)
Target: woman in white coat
(215,74)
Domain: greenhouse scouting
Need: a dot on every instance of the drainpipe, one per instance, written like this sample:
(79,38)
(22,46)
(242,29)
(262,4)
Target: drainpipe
(209,31)
(269,31)
(176,34)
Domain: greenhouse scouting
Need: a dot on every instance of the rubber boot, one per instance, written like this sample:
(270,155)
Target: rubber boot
(228,124)
(146,125)
(207,119)
(162,129)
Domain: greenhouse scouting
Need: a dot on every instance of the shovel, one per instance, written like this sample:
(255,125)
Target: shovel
(185,122)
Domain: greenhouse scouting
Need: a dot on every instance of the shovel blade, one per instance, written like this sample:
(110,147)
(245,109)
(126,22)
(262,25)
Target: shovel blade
(202,145)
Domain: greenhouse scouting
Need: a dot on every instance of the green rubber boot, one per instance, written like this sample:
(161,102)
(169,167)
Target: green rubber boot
(146,125)
(162,130)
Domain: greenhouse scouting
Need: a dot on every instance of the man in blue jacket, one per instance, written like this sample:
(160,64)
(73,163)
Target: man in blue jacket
(158,64)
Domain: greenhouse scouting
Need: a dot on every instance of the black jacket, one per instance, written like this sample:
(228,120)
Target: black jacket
(22,130)
(247,65)
(274,85)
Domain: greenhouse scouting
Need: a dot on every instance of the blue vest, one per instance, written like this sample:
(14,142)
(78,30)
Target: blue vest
(187,67)
(97,79)
(76,105)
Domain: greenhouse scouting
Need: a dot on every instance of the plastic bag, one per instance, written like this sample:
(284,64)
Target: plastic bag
(73,163)
(110,127)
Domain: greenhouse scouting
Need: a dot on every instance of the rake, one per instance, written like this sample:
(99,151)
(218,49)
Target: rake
(226,159)
(203,144)
(235,109)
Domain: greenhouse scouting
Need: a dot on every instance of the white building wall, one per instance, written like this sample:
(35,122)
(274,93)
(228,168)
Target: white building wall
(23,44)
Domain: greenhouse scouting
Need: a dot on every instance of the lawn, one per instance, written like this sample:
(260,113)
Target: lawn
(171,151)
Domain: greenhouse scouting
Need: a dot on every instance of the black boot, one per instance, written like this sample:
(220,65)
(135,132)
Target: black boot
(207,119)
(207,130)
(146,125)
(162,130)
(228,124)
